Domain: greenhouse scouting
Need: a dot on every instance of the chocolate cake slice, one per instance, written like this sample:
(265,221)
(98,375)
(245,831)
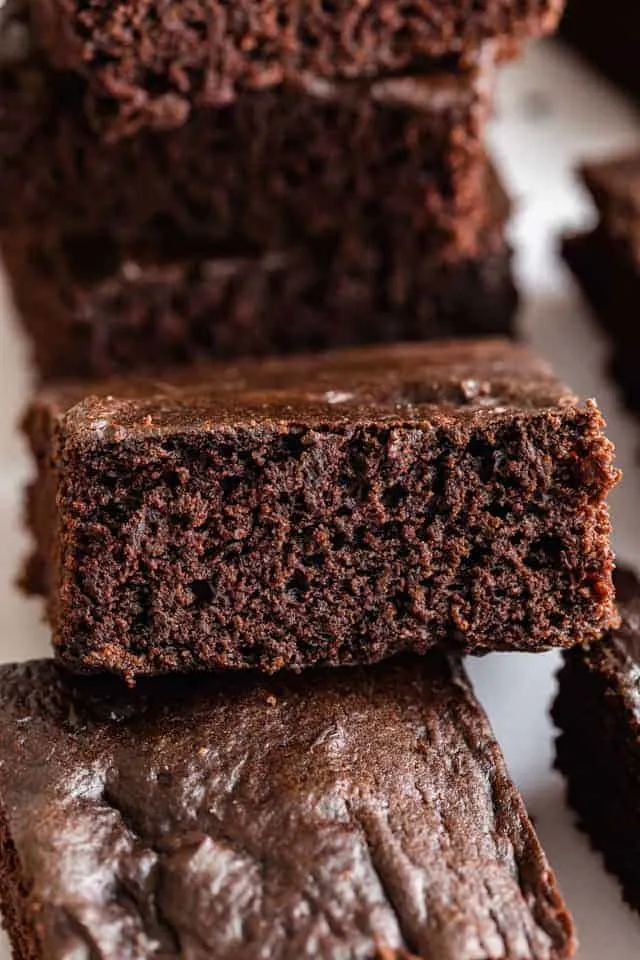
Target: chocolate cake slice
(598,712)
(332,509)
(362,813)
(148,63)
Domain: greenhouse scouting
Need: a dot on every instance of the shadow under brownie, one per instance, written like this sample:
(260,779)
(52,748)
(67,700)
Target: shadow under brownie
(332,509)
(362,813)
(598,750)
(149,64)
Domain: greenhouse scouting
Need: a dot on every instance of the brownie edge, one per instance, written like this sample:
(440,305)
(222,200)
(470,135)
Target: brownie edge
(359,813)
(597,713)
(605,262)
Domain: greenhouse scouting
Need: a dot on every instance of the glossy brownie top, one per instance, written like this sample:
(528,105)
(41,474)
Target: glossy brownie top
(413,383)
(360,813)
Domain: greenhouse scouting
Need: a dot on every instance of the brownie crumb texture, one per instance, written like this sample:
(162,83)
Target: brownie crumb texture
(329,509)
(149,64)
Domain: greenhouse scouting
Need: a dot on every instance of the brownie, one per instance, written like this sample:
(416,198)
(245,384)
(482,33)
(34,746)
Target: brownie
(398,157)
(607,40)
(148,63)
(347,813)
(598,750)
(606,262)
(610,281)
(334,509)
(94,308)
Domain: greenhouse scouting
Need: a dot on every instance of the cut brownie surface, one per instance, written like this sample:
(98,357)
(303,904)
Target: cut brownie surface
(598,712)
(308,160)
(337,508)
(362,813)
(149,63)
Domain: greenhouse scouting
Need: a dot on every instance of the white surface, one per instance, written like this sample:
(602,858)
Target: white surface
(551,112)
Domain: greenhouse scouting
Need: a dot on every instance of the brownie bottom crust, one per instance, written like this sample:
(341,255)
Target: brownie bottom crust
(90,311)
(362,813)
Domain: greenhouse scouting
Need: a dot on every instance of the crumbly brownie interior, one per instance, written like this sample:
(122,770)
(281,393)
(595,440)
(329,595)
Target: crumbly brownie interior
(599,718)
(287,527)
(359,813)
(149,64)
(390,156)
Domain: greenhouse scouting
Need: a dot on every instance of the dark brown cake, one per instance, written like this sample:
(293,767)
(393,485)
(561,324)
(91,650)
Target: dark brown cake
(360,813)
(606,262)
(326,509)
(148,63)
(92,308)
(598,750)
(388,158)
(606,38)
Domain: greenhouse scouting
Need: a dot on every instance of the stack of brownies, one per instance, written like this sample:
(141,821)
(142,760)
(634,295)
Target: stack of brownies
(256,739)
(215,179)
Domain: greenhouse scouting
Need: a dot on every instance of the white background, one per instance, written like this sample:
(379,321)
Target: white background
(551,112)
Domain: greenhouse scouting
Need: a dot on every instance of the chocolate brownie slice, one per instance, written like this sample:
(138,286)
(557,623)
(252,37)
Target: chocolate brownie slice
(389,158)
(149,63)
(334,508)
(93,308)
(606,262)
(598,750)
(608,39)
(346,813)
